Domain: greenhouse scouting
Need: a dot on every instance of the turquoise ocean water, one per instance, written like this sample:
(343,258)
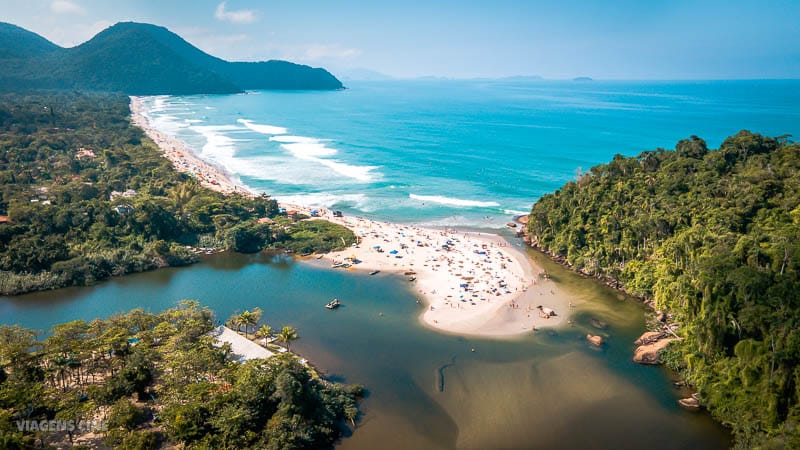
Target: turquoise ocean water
(464,153)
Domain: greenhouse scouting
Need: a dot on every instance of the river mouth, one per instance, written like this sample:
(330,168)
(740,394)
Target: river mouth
(549,389)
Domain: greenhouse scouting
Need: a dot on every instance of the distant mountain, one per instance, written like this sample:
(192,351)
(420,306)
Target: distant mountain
(141,59)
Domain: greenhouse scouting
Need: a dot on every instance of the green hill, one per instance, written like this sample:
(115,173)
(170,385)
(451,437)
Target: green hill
(16,42)
(712,237)
(141,59)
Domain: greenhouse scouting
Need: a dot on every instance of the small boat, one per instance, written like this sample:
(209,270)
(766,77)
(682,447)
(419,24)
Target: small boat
(333,304)
(374,272)
(410,272)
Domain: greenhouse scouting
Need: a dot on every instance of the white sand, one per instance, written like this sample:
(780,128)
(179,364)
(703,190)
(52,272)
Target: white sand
(244,349)
(503,288)
(485,308)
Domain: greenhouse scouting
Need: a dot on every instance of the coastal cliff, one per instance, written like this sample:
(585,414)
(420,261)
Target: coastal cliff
(708,238)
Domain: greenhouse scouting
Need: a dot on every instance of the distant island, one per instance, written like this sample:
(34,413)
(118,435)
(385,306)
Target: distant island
(141,59)
(582,79)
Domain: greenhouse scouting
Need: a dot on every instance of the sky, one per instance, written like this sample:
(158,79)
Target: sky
(627,39)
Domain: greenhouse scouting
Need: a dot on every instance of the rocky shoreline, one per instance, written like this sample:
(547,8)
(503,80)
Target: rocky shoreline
(651,344)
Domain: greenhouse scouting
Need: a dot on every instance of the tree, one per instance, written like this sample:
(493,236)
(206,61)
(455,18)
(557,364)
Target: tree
(246,319)
(235,322)
(264,332)
(287,335)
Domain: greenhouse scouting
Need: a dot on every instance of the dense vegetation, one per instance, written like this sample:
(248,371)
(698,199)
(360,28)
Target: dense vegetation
(159,380)
(714,238)
(65,228)
(140,59)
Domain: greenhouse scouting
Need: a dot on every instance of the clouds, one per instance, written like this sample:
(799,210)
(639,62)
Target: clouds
(241,16)
(66,7)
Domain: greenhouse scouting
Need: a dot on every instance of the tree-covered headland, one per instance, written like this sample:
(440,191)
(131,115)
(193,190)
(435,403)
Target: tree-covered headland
(161,381)
(712,237)
(86,196)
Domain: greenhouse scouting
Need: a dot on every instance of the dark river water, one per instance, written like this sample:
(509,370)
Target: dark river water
(427,390)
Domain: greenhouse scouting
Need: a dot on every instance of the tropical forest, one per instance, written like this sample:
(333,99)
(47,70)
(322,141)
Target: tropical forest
(86,196)
(712,239)
(141,381)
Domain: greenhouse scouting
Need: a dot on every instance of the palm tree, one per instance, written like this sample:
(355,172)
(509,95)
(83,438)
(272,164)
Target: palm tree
(246,318)
(287,335)
(351,412)
(255,317)
(265,331)
(234,321)
(181,195)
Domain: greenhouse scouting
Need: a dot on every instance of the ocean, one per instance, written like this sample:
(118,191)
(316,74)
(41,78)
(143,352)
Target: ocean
(467,153)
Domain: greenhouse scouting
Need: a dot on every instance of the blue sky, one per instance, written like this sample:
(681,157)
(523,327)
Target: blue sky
(645,39)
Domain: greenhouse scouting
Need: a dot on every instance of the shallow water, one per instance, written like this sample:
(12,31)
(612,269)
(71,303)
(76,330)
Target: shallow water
(548,390)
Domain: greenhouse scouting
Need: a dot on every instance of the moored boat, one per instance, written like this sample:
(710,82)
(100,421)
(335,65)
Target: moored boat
(333,304)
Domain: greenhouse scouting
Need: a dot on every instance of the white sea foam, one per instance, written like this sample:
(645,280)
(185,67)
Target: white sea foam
(326,200)
(308,150)
(442,200)
(218,146)
(360,173)
(313,150)
(514,212)
(263,129)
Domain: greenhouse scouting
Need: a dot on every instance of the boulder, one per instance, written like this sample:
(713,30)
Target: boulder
(661,316)
(599,324)
(689,403)
(649,337)
(650,353)
(596,340)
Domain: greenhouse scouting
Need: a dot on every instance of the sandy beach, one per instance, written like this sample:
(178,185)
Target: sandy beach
(470,283)
(182,158)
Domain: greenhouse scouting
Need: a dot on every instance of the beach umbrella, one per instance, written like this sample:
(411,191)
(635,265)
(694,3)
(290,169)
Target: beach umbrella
(376,246)
(393,252)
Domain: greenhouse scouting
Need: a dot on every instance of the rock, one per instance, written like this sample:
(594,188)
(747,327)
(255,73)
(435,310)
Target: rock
(649,337)
(689,403)
(599,324)
(650,353)
(596,340)
(661,316)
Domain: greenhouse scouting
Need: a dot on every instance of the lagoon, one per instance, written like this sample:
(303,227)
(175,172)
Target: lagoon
(426,389)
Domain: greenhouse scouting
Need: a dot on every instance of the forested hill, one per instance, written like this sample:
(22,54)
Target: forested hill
(714,238)
(141,59)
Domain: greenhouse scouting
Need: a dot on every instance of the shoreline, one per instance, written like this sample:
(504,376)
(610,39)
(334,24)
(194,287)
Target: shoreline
(472,283)
(503,285)
(183,159)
